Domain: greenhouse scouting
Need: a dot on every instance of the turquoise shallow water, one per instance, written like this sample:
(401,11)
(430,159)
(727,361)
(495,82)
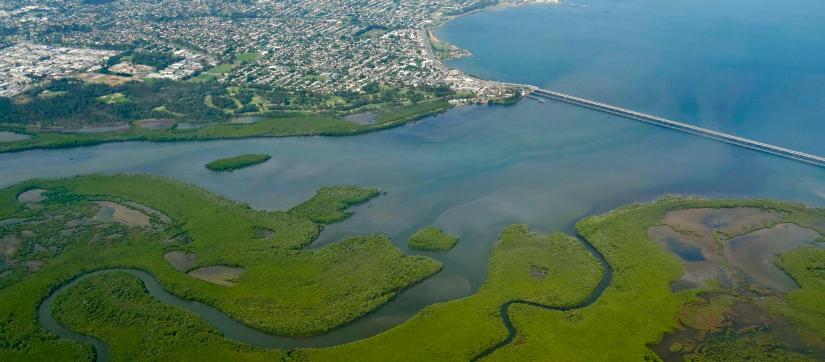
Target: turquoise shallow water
(475,169)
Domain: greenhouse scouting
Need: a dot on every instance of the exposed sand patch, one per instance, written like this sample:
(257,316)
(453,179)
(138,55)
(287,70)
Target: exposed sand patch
(697,252)
(727,220)
(179,260)
(116,127)
(33,265)
(9,245)
(755,253)
(245,120)
(32,196)
(218,274)
(538,272)
(153,212)
(108,79)
(114,212)
(155,124)
(187,125)
(689,234)
(363,118)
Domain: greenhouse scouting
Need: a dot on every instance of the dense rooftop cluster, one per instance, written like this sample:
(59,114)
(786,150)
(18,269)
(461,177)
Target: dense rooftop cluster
(323,46)
(23,64)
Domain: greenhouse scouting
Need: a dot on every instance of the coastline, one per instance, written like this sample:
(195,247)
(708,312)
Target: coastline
(460,78)
(486,92)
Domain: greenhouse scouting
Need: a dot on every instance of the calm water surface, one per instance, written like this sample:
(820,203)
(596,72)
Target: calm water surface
(752,68)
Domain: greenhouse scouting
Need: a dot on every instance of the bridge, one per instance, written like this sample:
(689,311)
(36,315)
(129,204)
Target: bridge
(682,127)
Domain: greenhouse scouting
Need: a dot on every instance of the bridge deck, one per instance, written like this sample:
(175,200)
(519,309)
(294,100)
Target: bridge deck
(684,127)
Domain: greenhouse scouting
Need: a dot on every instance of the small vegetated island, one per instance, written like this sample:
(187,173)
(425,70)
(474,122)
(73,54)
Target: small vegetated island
(433,239)
(237,162)
(694,279)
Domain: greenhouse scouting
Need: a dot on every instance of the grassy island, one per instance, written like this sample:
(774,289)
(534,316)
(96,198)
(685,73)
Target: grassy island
(330,203)
(433,239)
(237,162)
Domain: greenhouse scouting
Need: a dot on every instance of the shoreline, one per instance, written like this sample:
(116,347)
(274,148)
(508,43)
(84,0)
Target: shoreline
(456,79)
(519,90)
(61,140)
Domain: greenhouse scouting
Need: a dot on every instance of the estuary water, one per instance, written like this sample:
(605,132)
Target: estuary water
(752,68)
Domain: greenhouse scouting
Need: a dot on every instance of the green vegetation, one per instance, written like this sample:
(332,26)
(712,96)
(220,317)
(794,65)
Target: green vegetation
(214,72)
(113,98)
(223,68)
(754,347)
(443,50)
(481,4)
(167,333)
(513,99)
(247,57)
(460,329)
(707,314)
(52,121)
(455,330)
(157,60)
(237,162)
(291,291)
(638,298)
(638,307)
(284,289)
(80,103)
(372,31)
(330,203)
(432,238)
(806,305)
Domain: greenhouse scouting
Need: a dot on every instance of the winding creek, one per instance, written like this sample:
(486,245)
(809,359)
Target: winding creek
(239,332)
(229,327)
(473,170)
(504,310)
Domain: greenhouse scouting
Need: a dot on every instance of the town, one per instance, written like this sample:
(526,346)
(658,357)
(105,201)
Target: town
(23,64)
(322,47)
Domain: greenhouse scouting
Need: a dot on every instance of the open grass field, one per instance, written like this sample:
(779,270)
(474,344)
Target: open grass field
(221,69)
(237,162)
(247,57)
